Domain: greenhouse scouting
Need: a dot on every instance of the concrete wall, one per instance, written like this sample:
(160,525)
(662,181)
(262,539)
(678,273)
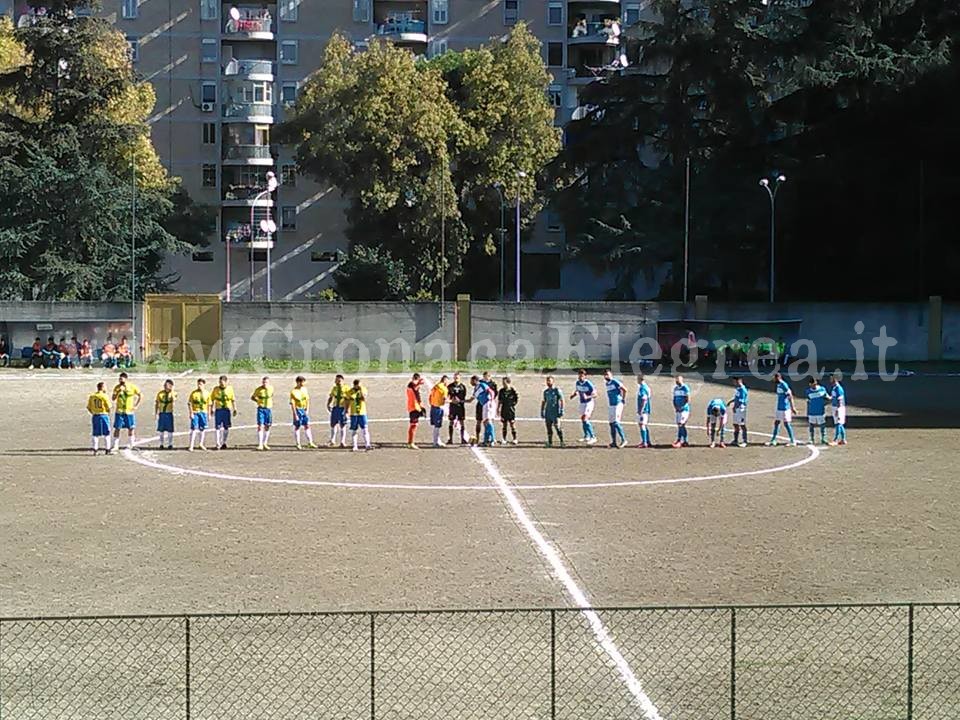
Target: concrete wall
(951,331)
(92,320)
(338,331)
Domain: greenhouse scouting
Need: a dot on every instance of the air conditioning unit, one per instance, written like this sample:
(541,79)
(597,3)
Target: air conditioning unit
(206,107)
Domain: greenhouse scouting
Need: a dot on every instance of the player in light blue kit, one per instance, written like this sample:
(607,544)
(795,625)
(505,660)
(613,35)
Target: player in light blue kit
(838,401)
(616,395)
(785,410)
(741,397)
(716,422)
(681,404)
(644,407)
(586,393)
(817,396)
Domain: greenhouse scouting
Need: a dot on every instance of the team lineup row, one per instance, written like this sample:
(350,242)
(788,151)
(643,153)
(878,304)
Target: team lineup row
(447,400)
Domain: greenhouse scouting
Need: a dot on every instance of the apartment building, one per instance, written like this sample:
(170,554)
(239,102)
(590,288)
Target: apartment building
(226,72)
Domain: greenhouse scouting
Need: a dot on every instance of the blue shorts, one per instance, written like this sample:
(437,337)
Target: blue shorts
(124,421)
(301,419)
(338,416)
(264,416)
(222,417)
(165,422)
(101,425)
(198,421)
(436,416)
(358,422)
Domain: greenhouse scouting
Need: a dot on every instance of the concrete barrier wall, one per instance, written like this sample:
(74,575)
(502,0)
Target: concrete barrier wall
(90,320)
(951,331)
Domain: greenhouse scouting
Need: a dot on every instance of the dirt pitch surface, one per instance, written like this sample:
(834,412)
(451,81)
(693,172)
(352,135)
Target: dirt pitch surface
(517,526)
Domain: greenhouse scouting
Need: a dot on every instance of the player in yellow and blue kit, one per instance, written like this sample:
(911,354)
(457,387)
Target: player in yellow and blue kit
(263,397)
(98,405)
(127,397)
(357,407)
(163,407)
(716,422)
(300,408)
(817,396)
(337,405)
(437,400)
(198,405)
(224,403)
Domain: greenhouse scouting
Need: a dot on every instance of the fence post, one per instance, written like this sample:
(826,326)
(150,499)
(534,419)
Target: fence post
(373,668)
(733,663)
(186,626)
(553,665)
(910,662)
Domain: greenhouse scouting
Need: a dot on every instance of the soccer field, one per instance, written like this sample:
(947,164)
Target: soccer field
(461,528)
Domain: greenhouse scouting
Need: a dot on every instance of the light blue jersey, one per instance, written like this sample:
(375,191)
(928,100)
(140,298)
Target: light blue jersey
(740,398)
(717,405)
(838,396)
(482,393)
(681,398)
(615,391)
(585,390)
(643,399)
(816,400)
(784,394)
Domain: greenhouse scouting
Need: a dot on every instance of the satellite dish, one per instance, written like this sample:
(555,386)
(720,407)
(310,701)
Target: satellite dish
(268,226)
(234,13)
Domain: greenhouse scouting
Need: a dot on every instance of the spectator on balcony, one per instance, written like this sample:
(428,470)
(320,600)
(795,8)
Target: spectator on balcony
(124,355)
(611,28)
(86,354)
(36,354)
(108,356)
(4,351)
(580,29)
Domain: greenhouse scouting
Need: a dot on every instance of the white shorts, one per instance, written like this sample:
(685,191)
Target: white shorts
(615,413)
(740,416)
(840,415)
(586,409)
(682,417)
(643,418)
(785,415)
(719,422)
(816,420)
(490,410)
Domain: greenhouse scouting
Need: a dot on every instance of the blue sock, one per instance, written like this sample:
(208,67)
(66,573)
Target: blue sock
(590,432)
(812,435)
(683,432)
(823,433)
(619,428)
(789,427)
(679,433)
(613,433)
(776,431)
(843,432)
(585,425)
(646,432)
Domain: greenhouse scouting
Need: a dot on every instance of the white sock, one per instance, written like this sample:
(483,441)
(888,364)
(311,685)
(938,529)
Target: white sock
(266,436)
(193,438)
(333,434)
(219,433)
(296,435)
(131,439)
(355,433)
(366,436)
(259,436)
(96,443)
(226,432)
(436,436)
(106,442)
(201,436)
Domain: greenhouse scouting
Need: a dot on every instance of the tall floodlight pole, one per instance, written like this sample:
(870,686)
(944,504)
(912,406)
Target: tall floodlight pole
(133,251)
(267,225)
(502,232)
(773,188)
(686,235)
(443,249)
(520,176)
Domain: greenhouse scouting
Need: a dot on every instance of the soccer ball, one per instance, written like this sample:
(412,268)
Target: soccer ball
(473,441)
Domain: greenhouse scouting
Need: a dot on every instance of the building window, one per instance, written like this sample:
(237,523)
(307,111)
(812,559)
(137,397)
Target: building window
(441,12)
(133,47)
(288,93)
(631,14)
(288,217)
(209,133)
(128,9)
(511,12)
(288,52)
(361,11)
(438,47)
(289,10)
(209,9)
(555,93)
(209,175)
(208,50)
(208,92)
(257,92)
(555,54)
(553,221)
(555,13)
(288,175)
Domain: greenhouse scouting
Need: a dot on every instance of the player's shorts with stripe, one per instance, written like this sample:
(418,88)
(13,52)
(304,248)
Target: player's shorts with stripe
(124,421)
(490,410)
(586,408)
(338,417)
(100,425)
(643,418)
(785,415)
(301,419)
(264,416)
(222,417)
(198,421)
(740,416)
(840,415)
(816,419)
(165,422)
(615,413)
(436,416)
(682,417)
(358,422)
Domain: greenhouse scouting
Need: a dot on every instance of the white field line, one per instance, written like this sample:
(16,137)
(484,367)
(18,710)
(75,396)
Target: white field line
(578,596)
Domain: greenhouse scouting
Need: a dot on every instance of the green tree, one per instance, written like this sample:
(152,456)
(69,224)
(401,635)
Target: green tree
(370,273)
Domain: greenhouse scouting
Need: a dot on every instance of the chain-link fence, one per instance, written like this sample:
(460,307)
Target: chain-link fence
(873,662)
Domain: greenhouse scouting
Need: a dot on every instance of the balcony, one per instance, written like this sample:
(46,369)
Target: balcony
(595,33)
(247,155)
(403,28)
(254,70)
(239,235)
(244,196)
(260,113)
(251,23)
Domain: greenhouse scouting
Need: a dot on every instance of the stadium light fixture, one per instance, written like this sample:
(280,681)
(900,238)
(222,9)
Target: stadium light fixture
(502,232)
(267,227)
(772,189)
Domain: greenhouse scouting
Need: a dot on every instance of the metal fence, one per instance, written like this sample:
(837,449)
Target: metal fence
(858,662)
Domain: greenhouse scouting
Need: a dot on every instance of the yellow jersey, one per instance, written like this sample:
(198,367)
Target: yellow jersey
(357,401)
(222,397)
(198,400)
(98,404)
(438,395)
(300,398)
(164,401)
(338,396)
(126,397)
(263,396)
